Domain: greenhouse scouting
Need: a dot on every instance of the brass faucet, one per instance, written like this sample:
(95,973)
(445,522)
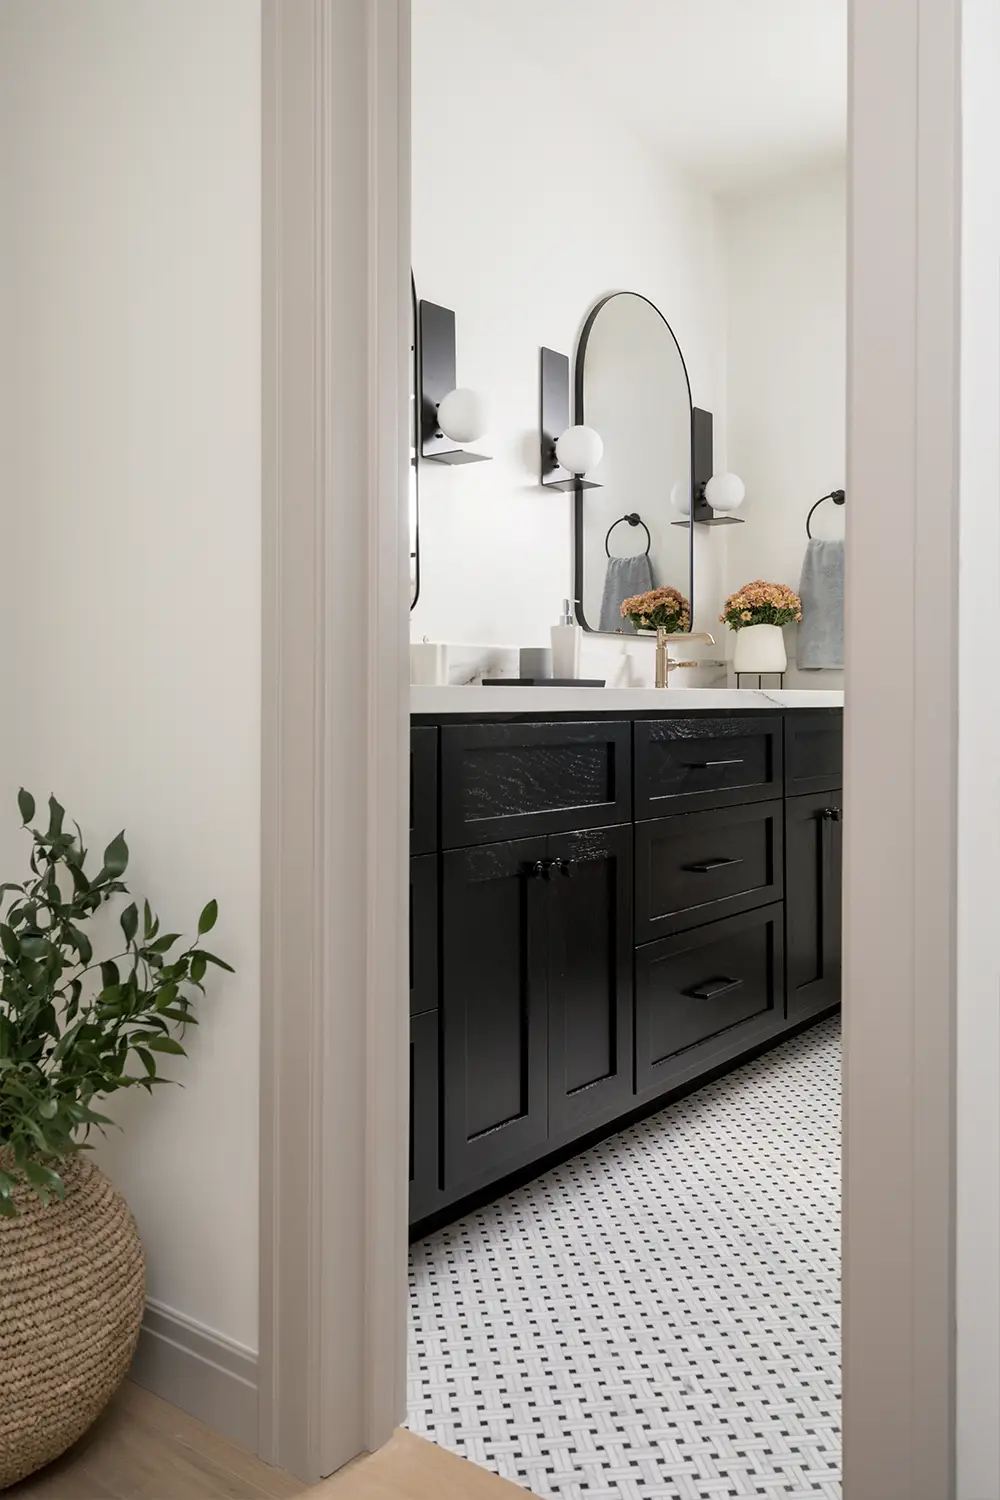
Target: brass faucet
(665,664)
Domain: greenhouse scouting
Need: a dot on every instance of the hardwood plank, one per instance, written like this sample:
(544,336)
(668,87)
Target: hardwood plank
(144,1449)
(410,1468)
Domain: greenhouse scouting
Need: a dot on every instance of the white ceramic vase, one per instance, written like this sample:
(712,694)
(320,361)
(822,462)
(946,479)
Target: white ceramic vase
(760,648)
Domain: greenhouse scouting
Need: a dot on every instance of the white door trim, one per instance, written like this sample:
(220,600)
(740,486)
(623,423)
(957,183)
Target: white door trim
(901,766)
(334,1076)
(334,1072)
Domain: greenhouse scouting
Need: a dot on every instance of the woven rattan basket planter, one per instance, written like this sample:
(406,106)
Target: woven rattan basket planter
(72,1290)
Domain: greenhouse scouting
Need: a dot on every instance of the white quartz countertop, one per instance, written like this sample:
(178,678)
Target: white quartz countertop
(530,700)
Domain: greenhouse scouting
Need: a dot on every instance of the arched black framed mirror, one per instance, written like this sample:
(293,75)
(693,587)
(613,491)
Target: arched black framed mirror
(634,532)
(414,451)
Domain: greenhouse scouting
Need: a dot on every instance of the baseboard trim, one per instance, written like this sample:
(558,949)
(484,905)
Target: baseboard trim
(206,1375)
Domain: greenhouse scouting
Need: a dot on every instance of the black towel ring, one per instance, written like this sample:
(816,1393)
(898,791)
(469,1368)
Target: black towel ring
(633,520)
(837,496)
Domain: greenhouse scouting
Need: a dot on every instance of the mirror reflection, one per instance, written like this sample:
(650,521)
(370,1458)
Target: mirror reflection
(414,471)
(633,533)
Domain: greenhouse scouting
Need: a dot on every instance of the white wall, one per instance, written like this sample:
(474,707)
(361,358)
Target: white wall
(787,378)
(529,203)
(129,558)
(978,1038)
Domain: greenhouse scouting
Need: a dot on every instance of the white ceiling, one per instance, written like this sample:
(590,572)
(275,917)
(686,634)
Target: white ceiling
(735,91)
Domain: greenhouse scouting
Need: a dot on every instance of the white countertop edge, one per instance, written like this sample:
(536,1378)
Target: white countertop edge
(529,700)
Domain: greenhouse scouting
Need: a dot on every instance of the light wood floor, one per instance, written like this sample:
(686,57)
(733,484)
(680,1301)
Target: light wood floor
(143,1449)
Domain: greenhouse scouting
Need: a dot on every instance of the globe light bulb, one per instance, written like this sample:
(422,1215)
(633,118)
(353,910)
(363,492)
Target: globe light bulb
(463,416)
(725,492)
(579,449)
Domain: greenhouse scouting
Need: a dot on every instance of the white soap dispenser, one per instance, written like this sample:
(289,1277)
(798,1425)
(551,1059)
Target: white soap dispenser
(566,645)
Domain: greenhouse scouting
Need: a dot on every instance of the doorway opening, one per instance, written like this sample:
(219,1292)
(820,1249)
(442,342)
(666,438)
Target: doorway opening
(625,1147)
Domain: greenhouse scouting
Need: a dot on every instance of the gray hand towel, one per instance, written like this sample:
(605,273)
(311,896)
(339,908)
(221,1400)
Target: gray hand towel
(821,634)
(626,576)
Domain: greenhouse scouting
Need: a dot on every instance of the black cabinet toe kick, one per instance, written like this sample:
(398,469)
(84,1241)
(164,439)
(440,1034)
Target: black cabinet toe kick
(605,915)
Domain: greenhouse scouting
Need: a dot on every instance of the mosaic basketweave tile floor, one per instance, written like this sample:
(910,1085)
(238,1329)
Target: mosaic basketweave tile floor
(659,1317)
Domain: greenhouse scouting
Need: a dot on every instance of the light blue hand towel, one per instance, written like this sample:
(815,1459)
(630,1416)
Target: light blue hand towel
(821,634)
(626,577)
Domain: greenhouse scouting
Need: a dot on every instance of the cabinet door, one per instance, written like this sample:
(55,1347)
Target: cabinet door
(423,933)
(423,789)
(813,879)
(590,977)
(425,1116)
(494,910)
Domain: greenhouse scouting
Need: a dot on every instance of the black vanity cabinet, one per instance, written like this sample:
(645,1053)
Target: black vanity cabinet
(494,962)
(813,860)
(604,913)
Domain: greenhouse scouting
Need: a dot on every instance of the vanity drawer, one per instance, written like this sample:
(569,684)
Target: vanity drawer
(685,764)
(423,790)
(503,781)
(703,866)
(698,993)
(814,751)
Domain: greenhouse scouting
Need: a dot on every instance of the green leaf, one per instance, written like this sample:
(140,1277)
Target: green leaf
(48,1109)
(44,1177)
(7,1208)
(166,1044)
(110,976)
(218,962)
(130,921)
(56,815)
(26,804)
(147,1060)
(8,937)
(81,942)
(115,858)
(149,922)
(198,966)
(208,918)
(165,943)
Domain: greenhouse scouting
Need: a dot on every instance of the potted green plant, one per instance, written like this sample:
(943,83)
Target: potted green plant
(74,1029)
(757,613)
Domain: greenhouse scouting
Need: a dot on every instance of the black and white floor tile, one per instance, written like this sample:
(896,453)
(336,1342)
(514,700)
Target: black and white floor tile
(658,1319)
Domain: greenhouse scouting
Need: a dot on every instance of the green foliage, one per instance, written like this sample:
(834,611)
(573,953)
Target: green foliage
(72,1029)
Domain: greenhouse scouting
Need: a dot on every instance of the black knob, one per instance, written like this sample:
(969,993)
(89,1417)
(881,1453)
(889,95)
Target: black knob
(567,867)
(539,870)
(832,814)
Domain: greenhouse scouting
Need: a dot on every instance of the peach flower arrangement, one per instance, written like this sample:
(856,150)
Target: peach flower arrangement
(658,609)
(761,603)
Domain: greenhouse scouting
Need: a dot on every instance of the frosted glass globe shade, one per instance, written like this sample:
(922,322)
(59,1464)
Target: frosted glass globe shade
(680,498)
(462,415)
(579,450)
(725,492)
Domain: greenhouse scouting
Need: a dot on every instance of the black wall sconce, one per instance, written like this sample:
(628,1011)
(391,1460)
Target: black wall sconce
(567,453)
(450,416)
(715,496)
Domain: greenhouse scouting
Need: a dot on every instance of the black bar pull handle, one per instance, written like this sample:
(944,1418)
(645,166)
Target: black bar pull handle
(711,989)
(706,866)
(711,765)
(833,814)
